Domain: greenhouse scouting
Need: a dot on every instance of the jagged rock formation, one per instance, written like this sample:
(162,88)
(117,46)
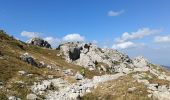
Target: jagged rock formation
(91,57)
(39,42)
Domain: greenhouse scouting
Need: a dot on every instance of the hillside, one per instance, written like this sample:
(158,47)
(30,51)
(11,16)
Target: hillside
(76,71)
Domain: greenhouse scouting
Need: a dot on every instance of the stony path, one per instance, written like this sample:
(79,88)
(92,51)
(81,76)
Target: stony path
(72,92)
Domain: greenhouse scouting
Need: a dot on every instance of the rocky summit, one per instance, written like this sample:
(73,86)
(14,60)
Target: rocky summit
(39,42)
(76,71)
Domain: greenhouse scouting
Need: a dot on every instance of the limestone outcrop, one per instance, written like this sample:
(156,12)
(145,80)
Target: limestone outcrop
(92,57)
(39,42)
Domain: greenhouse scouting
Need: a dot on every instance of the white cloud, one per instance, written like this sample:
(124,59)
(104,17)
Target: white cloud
(115,13)
(29,34)
(141,33)
(53,41)
(162,39)
(73,37)
(124,45)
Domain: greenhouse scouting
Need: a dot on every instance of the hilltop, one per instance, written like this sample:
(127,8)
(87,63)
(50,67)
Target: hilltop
(76,71)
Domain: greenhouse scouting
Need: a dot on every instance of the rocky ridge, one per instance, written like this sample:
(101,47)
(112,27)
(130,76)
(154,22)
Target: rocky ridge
(44,74)
(92,57)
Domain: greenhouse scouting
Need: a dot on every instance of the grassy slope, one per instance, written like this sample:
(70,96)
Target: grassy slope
(11,64)
(118,90)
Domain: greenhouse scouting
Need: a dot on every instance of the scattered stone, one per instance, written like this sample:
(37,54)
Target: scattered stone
(13,98)
(78,76)
(50,76)
(49,66)
(32,97)
(121,68)
(45,85)
(41,64)
(130,90)
(74,96)
(58,55)
(88,90)
(146,82)
(22,72)
(29,75)
(149,95)
(73,91)
(68,72)
(29,59)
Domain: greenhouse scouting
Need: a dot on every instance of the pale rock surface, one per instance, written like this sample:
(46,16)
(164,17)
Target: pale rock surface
(37,88)
(32,97)
(122,68)
(153,87)
(131,89)
(161,95)
(39,42)
(87,55)
(78,76)
(162,88)
(140,62)
(13,98)
(68,72)
(22,72)
(74,91)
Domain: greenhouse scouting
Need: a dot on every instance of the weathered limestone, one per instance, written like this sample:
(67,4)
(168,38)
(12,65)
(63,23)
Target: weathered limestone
(39,42)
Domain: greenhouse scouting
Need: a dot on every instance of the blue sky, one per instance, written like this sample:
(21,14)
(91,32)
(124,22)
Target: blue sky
(136,27)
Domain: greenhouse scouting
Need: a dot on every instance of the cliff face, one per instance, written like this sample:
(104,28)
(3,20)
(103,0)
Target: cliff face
(76,71)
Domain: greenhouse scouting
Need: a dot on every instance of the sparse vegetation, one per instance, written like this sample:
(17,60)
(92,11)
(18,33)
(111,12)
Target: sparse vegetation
(159,81)
(11,64)
(118,90)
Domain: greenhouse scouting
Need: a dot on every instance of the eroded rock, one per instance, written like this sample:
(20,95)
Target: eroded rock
(39,42)
(87,55)
(28,59)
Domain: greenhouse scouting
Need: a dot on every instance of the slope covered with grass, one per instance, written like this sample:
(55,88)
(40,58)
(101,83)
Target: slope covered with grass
(10,64)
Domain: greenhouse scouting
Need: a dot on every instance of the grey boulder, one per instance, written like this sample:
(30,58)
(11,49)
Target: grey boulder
(29,59)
